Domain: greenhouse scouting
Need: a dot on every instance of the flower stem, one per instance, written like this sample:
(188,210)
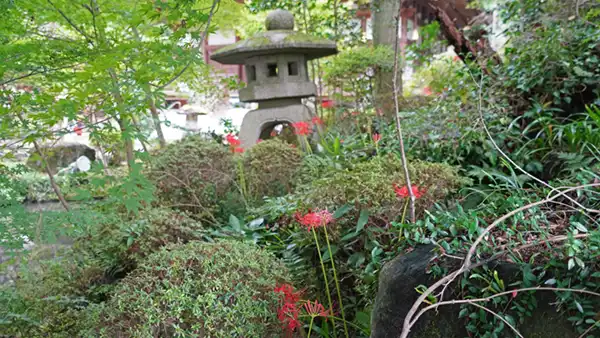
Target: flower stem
(242,179)
(337,283)
(325,278)
(312,319)
(402,220)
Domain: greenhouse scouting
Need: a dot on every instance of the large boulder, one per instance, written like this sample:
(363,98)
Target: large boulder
(60,156)
(396,294)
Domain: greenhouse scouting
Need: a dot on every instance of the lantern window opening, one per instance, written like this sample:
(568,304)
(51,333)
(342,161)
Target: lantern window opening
(272,70)
(293,68)
(251,70)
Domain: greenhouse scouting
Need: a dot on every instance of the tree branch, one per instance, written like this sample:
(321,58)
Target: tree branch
(79,30)
(202,38)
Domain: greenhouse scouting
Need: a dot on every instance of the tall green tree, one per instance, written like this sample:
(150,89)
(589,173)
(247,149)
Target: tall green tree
(107,56)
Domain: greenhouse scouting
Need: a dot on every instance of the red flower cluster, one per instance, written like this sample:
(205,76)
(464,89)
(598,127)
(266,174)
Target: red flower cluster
(302,128)
(376,138)
(288,311)
(317,121)
(403,191)
(327,104)
(234,143)
(315,219)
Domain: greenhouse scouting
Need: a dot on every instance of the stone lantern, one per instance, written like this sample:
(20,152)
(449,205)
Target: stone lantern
(276,70)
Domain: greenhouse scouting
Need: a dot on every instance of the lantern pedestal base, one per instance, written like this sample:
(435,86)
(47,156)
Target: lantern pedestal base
(268,115)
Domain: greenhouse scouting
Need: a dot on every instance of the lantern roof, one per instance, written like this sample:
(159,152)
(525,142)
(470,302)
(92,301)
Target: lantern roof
(280,38)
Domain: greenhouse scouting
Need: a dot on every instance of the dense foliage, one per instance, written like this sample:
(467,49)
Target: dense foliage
(270,168)
(193,174)
(206,289)
(204,238)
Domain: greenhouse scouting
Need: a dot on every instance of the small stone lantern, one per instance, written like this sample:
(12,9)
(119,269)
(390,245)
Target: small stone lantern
(277,74)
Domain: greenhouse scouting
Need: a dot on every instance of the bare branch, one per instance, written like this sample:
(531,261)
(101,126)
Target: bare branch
(467,264)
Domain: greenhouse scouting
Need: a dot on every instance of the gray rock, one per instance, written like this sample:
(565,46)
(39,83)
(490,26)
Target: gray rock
(396,295)
(60,156)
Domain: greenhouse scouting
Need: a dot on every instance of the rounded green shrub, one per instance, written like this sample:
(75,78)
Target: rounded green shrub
(55,289)
(222,289)
(270,167)
(370,185)
(193,174)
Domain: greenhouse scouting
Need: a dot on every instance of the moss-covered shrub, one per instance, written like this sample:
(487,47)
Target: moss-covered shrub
(270,167)
(222,289)
(370,185)
(193,174)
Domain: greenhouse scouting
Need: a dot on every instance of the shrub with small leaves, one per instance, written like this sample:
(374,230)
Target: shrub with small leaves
(270,167)
(371,186)
(193,174)
(222,289)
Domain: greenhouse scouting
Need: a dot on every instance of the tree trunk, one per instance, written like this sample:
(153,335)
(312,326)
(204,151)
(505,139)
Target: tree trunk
(157,126)
(127,141)
(385,34)
(55,186)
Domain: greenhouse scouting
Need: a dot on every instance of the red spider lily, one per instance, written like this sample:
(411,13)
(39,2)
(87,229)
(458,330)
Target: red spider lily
(427,91)
(376,138)
(301,128)
(315,309)
(403,191)
(514,294)
(327,104)
(232,140)
(315,219)
(238,150)
(289,296)
(317,121)
(288,312)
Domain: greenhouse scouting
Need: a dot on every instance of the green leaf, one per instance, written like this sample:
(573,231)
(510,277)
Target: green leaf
(580,227)
(362,220)
(350,235)
(363,319)
(581,72)
(234,222)
(342,211)
(356,259)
